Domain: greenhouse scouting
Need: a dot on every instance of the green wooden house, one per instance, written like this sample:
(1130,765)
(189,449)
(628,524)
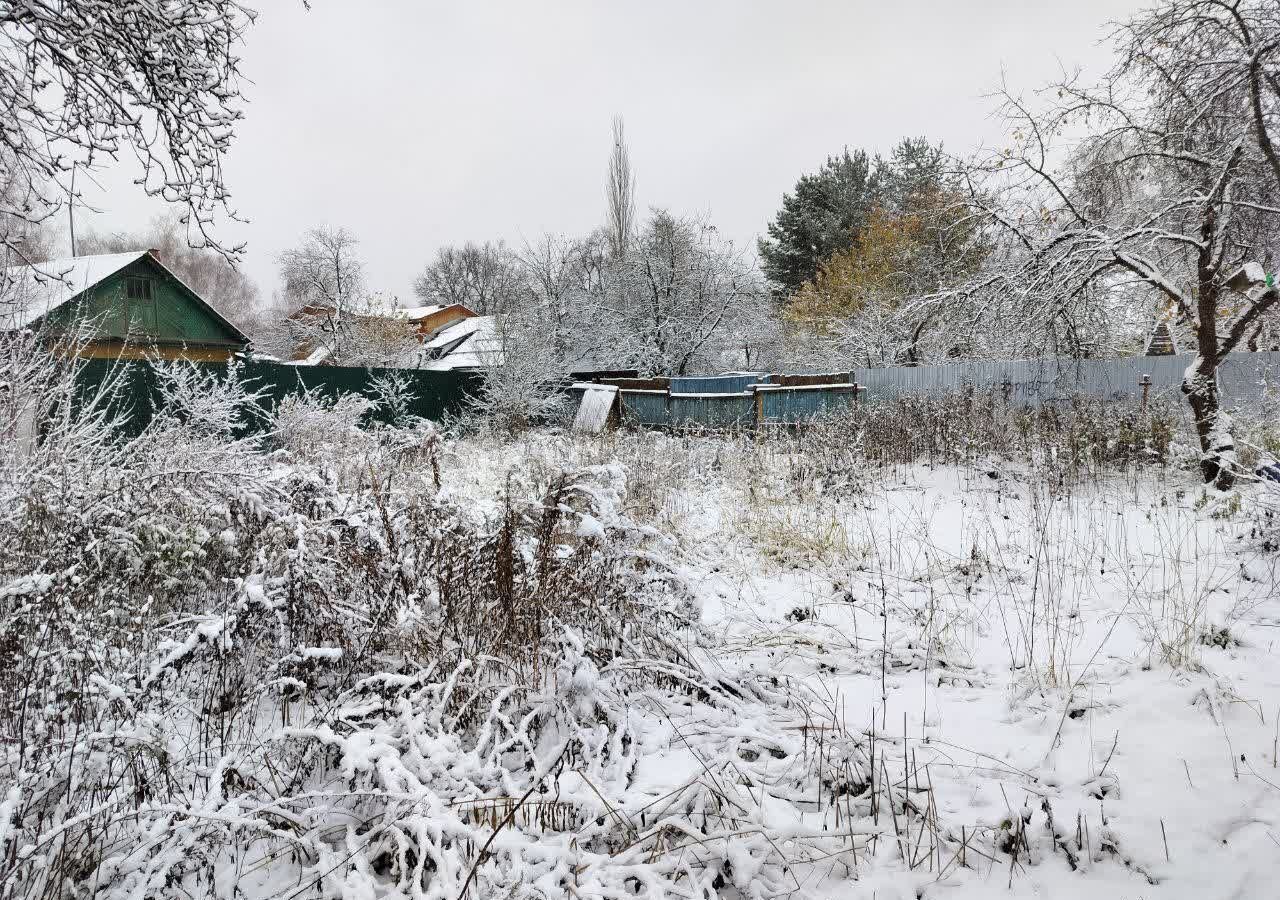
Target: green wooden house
(117,306)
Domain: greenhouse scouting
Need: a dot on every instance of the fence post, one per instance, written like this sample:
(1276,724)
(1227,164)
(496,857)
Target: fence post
(759,398)
(1145,382)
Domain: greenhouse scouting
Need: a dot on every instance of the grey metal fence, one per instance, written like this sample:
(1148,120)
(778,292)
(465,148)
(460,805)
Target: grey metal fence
(1245,379)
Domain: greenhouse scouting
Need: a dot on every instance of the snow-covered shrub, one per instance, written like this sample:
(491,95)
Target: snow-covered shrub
(315,427)
(1266,515)
(228,668)
(523,380)
(1077,438)
(393,393)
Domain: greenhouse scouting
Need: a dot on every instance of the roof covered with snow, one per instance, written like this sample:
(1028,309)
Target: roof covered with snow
(29,293)
(416,312)
(467,344)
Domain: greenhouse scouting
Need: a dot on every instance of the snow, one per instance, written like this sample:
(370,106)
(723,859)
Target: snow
(416,312)
(471,343)
(331,654)
(742,667)
(28,293)
(314,358)
(1102,652)
(27,585)
(590,527)
(775,388)
(459,330)
(12,800)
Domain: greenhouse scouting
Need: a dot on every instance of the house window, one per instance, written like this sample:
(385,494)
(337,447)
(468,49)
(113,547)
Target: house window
(139,288)
(141,305)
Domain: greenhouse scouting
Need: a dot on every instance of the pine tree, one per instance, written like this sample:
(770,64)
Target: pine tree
(826,213)
(916,240)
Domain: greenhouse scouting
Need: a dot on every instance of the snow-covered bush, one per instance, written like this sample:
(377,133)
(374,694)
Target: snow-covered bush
(523,381)
(1077,438)
(233,666)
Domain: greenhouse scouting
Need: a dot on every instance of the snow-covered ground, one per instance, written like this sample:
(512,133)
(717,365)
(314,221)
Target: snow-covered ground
(1068,686)
(386,663)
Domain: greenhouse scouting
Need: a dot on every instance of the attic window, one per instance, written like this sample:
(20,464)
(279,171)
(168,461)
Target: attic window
(138,288)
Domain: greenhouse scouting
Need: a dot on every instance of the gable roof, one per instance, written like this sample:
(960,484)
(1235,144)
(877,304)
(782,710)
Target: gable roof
(1161,341)
(29,293)
(471,343)
(413,313)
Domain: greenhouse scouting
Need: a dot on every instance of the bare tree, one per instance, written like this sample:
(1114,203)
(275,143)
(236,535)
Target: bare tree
(81,79)
(483,277)
(562,281)
(324,277)
(674,298)
(26,236)
(621,192)
(207,272)
(1167,198)
(523,378)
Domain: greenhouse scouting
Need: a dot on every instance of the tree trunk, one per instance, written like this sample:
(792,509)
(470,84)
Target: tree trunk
(1213,426)
(1200,383)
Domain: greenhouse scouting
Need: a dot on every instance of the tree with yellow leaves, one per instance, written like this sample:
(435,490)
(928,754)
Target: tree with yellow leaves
(915,242)
(876,270)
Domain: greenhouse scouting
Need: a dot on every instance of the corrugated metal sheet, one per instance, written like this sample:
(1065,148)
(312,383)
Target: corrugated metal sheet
(1247,378)
(711,410)
(1242,378)
(728,400)
(645,407)
(715,384)
(594,408)
(794,405)
(432,395)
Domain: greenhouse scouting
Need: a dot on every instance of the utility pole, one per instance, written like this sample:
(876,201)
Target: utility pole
(71,209)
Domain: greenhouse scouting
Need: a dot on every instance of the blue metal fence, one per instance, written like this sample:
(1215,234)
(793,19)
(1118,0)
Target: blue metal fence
(711,410)
(794,405)
(647,408)
(715,384)
(757,400)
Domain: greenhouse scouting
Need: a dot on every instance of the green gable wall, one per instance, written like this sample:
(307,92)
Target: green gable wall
(173,315)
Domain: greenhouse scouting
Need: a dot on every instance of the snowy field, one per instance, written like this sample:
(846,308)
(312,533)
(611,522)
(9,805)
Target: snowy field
(997,683)
(909,655)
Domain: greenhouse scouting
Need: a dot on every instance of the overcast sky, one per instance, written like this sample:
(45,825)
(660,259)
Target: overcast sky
(417,124)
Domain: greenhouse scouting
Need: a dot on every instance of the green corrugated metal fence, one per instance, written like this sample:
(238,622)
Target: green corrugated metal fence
(136,392)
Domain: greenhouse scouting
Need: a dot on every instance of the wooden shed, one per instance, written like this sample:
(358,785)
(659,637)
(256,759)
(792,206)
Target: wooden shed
(129,304)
